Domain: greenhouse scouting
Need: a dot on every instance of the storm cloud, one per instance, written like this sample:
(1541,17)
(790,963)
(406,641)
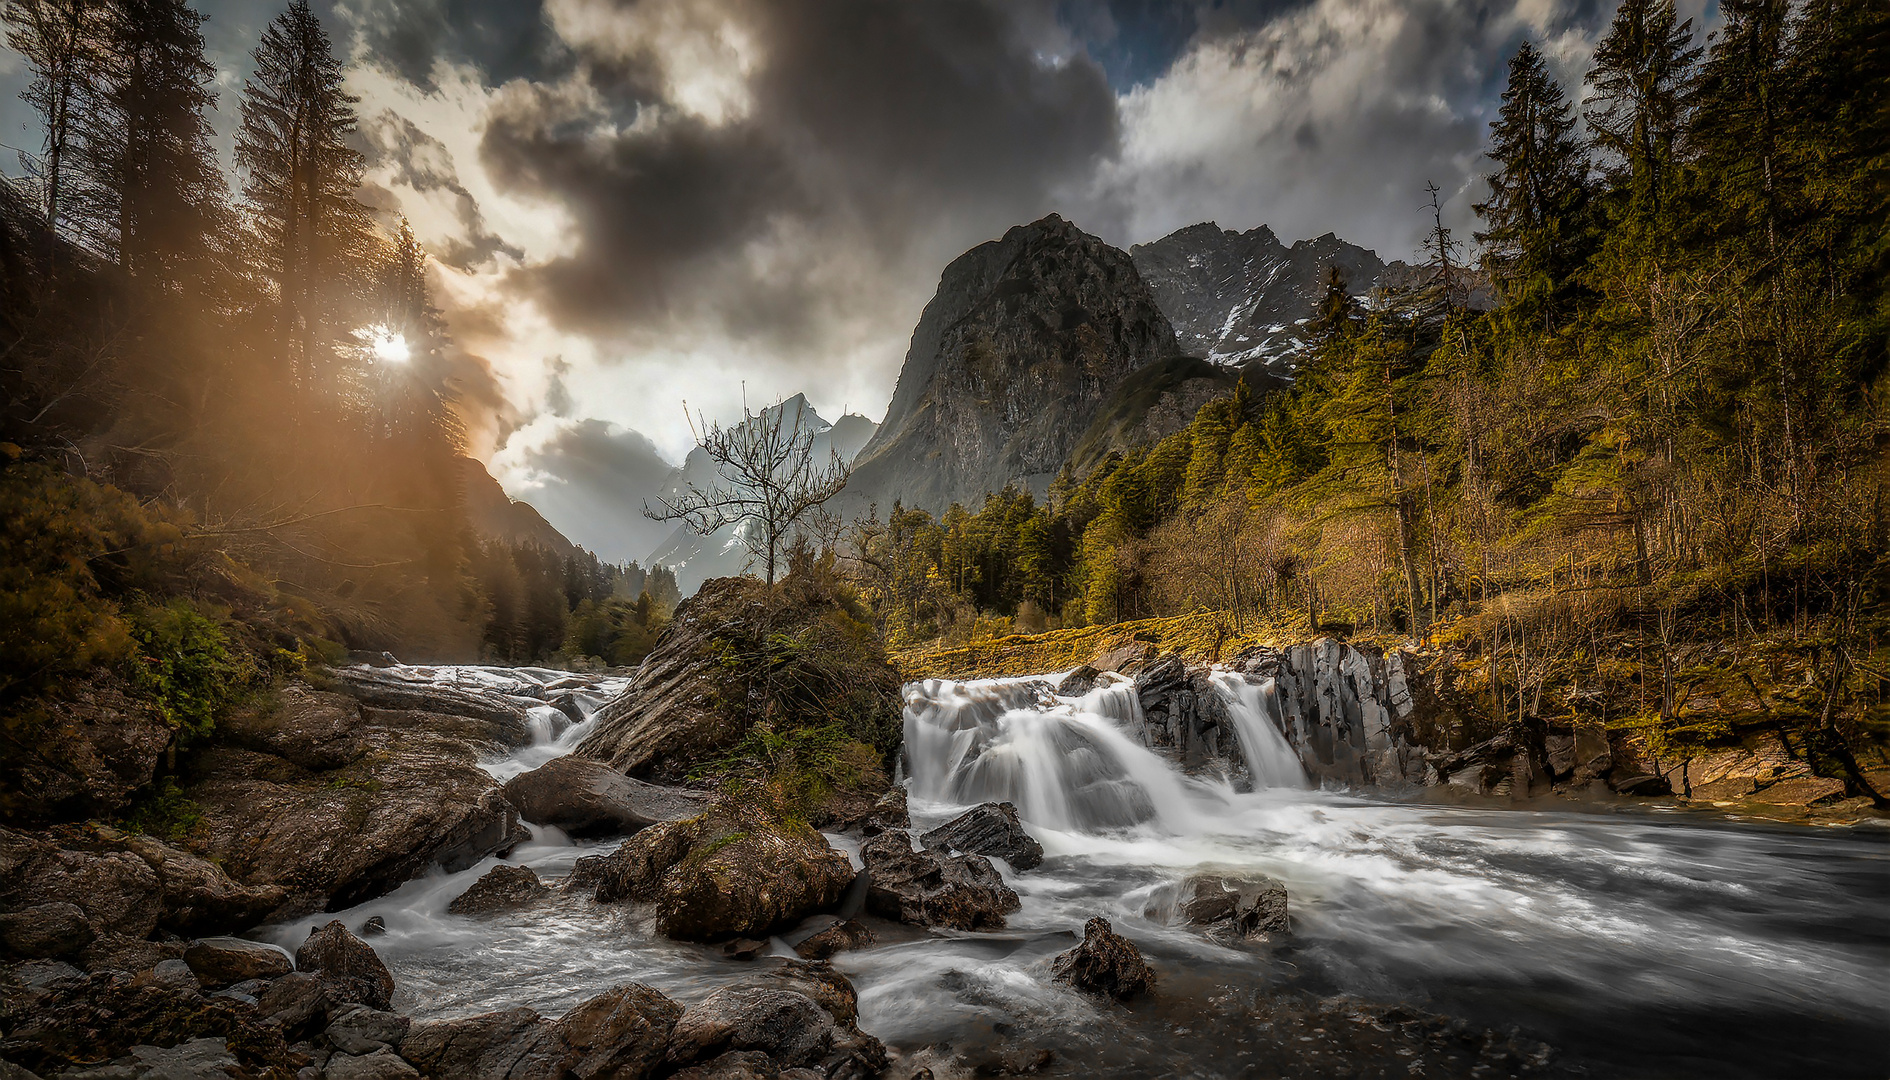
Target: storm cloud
(644,210)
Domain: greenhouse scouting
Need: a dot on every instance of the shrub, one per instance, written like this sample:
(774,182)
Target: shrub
(185,666)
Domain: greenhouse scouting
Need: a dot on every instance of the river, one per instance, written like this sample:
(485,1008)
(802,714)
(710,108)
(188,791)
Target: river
(1633,942)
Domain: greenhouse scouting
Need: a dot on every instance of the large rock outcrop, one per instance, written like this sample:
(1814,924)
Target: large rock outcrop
(676,707)
(1012,359)
(728,874)
(334,838)
(800,652)
(93,748)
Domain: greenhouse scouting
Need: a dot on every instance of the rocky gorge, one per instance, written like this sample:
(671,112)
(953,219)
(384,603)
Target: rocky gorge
(447,872)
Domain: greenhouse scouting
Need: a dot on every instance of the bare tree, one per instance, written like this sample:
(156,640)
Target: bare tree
(767,481)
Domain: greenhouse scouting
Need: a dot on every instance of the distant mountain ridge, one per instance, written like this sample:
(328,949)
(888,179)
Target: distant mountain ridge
(695,558)
(494,515)
(1237,299)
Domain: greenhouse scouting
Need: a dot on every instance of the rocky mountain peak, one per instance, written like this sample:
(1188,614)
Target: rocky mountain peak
(1236,298)
(1011,360)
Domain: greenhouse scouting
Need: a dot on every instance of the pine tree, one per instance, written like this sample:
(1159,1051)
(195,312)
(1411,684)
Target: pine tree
(1642,89)
(301,182)
(62,40)
(1539,183)
(165,189)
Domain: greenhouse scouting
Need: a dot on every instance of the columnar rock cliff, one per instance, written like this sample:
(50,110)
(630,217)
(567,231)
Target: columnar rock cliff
(1026,339)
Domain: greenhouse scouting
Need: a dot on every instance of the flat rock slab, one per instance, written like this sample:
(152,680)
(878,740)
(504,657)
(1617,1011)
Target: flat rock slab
(222,961)
(589,798)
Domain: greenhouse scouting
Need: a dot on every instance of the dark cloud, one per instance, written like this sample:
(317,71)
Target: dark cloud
(863,131)
(590,479)
(422,162)
(504,39)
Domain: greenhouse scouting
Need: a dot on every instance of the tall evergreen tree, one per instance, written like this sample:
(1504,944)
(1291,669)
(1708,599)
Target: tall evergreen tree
(1540,181)
(1642,88)
(62,40)
(165,189)
(301,183)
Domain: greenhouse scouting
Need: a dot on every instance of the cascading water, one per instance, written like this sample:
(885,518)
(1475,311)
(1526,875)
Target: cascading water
(1255,710)
(1640,944)
(1068,764)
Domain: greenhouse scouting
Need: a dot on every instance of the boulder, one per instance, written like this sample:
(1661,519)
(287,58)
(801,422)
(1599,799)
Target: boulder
(1234,908)
(45,930)
(621,1034)
(513,1044)
(635,870)
(358,1029)
(309,727)
(992,830)
(736,1065)
(841,937)
(589,798)
(198,896)
(172,975)
(888,812)
(348,964)
(1104,962)
(221,961)
(117,892)
(927,888)
(380,1064)
(506,721)
(786,1025)
(749,877)
(1206,900)
(1265,914)
(672,710)
(500,888)
(94,748)
(1079,682)
(298,1002)
(335,839)
(820,981)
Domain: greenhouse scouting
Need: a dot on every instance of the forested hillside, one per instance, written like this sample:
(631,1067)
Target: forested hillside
(229,440)
(1649,488)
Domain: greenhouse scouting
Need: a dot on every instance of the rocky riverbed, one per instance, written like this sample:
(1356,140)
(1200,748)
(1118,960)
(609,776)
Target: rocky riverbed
(1088,873)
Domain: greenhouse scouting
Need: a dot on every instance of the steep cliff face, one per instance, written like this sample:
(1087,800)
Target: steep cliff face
(1238,298)
(1012,360)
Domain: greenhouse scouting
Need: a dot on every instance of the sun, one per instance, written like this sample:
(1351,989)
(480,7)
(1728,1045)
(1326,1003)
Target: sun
(386,346)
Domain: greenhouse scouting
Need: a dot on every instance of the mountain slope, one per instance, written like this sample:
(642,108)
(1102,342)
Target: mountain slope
(1013,358)
(1236,298)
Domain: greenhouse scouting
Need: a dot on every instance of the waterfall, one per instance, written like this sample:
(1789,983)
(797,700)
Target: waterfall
(1068,763)
(1255,711)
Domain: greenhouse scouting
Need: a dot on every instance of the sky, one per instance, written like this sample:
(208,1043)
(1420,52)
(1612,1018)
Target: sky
(643,210)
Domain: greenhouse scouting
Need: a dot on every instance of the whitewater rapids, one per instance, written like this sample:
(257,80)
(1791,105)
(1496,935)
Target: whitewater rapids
(1652,943)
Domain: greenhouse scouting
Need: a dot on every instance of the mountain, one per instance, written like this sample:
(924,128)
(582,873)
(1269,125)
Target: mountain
(494,515)
(1025,342)
(694,558)
(1237,298)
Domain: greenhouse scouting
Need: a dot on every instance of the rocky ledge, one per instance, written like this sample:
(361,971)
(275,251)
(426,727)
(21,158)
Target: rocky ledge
(236,1009)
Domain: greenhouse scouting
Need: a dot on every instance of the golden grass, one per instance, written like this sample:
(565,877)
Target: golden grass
(1200,636)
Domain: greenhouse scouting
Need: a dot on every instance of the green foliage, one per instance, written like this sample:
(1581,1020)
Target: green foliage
(793,770)
(163,811)
(186,668)
(66,544)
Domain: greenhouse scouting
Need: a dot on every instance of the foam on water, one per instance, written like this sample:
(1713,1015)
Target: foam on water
(1646,942)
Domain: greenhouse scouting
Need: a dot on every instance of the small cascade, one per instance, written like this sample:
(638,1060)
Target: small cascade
(1067,763)
(1255,711)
